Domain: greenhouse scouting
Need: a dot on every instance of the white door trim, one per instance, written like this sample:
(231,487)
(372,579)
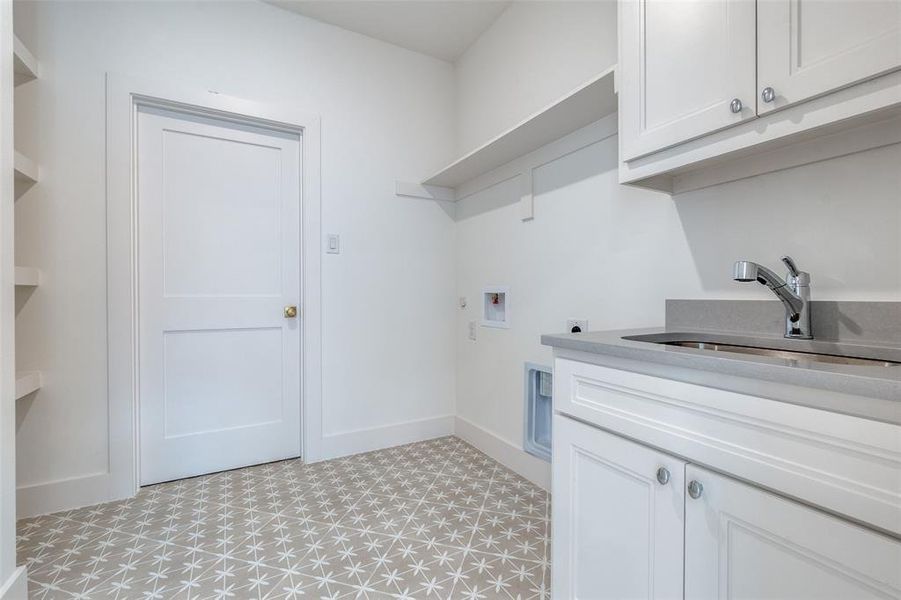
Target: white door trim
(123,96)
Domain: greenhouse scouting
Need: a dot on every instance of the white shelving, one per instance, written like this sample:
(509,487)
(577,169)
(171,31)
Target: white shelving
(586,104)
(26,169)
(27,277)
(25,64)
(27,382)
(26,175)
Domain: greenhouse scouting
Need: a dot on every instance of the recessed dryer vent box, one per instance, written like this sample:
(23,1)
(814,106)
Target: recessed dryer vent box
(496,307)
(538,388)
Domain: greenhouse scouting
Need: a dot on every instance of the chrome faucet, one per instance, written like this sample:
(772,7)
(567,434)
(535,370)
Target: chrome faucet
(794,293)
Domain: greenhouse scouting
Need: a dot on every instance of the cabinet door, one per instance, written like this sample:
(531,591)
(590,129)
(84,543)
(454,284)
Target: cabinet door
(811,47)
(681,66)
(743,542)
(618,531)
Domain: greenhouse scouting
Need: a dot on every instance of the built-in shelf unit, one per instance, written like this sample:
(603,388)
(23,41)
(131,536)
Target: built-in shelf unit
(25,176)
(588,103)
(27,382)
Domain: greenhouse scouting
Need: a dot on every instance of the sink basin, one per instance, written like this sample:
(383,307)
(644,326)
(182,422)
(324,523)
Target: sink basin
(784,354)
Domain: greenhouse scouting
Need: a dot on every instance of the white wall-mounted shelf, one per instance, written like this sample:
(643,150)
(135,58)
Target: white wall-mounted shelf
(586,104)
(559,127)
(26,169)
(27,277)
(25,65)
(27,382)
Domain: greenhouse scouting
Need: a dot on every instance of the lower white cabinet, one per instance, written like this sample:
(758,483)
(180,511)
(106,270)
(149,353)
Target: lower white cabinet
(621,532)
(744,542)
(618,530)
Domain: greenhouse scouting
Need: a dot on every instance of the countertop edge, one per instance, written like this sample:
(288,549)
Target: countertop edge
(885,391)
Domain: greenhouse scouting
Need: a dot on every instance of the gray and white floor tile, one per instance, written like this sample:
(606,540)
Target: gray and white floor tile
(435,520)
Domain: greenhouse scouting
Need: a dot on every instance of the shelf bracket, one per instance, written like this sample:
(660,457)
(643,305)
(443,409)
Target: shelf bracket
(526,200)
(427,192)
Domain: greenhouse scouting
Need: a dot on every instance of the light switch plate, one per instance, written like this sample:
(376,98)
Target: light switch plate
(472,330)
(333,243)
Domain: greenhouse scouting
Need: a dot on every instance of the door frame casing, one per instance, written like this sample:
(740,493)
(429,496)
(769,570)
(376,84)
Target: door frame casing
(124,96)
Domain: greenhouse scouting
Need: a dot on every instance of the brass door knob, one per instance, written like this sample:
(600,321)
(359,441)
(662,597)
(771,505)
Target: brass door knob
(290,312)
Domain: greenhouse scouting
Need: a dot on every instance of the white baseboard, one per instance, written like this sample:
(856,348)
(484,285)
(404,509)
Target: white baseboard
(16,587)
(65,494)
(531,467)
(365,440)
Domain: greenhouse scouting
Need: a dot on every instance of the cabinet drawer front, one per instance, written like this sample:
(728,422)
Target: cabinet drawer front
(743,542)
(682,64)
(810,47)
(845,464)
(618,530)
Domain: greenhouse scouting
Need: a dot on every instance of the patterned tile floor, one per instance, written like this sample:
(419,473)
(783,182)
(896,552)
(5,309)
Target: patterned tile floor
(432,520)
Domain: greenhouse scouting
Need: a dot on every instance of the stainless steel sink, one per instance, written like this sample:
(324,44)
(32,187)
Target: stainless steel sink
(784,354)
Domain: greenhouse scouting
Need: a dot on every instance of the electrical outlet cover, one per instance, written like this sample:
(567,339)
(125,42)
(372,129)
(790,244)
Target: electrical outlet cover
(582,324)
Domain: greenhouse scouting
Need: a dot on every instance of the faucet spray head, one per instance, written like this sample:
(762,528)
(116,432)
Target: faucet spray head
(794,293)
(745,271)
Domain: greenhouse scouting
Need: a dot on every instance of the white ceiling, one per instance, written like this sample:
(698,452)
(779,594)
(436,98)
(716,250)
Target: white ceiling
(440,28)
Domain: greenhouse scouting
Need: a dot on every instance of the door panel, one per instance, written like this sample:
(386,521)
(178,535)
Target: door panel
(209,377)
(219,259)
(811,47)
(743,542)
(223,233)
(683,63)
(618,532)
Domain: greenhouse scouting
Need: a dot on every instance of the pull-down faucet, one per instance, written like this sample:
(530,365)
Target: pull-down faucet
(794,293)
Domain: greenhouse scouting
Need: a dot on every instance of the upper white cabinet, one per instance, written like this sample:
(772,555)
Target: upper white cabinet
(744,542)
(810,47)
(688,69)
(717,90)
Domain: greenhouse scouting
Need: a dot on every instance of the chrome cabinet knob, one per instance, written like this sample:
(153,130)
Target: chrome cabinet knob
(735,106)
(663,475)
(695,489)
(768,94)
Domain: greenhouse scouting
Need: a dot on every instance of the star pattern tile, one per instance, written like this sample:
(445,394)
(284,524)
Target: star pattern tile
(434,520)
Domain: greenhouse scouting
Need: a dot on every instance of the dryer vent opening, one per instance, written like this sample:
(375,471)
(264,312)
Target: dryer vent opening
(538,388)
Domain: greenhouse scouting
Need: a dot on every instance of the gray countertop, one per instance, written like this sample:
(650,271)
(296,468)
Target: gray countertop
(871,382)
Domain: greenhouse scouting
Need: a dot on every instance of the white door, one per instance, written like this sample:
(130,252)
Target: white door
(219,262)
(743,542)
(682,63)
(618,530)
(811,47)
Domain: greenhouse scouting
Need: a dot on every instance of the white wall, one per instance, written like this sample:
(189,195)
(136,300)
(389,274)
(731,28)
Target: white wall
(392,333)
(612,253)
(531,56)
(388,298)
